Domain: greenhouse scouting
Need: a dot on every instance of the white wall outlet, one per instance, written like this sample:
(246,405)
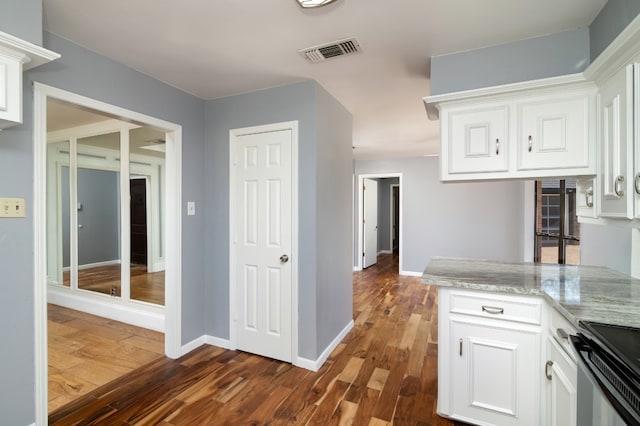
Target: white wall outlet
(191,208)
(12,207)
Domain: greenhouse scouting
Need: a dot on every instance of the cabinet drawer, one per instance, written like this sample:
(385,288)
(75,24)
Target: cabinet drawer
(508,308)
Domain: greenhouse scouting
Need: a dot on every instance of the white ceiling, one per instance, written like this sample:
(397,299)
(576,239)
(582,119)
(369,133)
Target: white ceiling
(217,48)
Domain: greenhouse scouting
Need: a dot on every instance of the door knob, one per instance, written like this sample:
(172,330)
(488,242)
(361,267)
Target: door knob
(284,258)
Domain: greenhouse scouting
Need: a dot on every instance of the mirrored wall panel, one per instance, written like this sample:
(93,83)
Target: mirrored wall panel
(146,187)
(105,205)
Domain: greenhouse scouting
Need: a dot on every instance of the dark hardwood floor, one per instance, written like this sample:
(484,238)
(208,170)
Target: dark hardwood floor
(384,372)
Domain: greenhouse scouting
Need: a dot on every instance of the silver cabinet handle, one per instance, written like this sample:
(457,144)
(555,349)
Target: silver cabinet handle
(492,310)
(637,183)
(616,186)
(589,197)
(284,258)
(497,146)
(460,347)
(530,143)
(546,370)
(562,334)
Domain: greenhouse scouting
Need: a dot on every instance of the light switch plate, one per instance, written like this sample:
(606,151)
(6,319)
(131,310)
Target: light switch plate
(12,207)
(191,208)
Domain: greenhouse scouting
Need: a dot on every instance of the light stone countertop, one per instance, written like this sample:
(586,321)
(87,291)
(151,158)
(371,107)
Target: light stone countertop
(588,293)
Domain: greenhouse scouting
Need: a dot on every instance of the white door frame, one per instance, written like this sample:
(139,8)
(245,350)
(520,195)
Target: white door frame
(233,135)
(173,224)
(358,229)
(392,215)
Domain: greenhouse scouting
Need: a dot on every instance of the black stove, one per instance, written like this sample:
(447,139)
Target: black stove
(612,355)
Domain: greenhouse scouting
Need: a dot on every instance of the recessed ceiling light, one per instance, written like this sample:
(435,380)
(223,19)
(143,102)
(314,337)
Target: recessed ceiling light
(314,3)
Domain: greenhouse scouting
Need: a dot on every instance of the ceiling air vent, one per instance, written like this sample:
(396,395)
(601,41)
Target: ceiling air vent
(321,53)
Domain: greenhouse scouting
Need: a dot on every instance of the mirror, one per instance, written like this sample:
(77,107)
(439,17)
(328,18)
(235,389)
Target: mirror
(93,234)
(146,184)
(98,207)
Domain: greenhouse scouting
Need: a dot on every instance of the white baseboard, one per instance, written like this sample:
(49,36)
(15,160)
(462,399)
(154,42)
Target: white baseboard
(384,252)
(308,364)
(205,340)
(315,365)
(411,273)
(104,306)
(357,269)
(217,341)
(99,264)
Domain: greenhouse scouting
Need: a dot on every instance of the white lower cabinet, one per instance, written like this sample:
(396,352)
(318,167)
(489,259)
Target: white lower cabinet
(561,375)
(494,378)
(489,364)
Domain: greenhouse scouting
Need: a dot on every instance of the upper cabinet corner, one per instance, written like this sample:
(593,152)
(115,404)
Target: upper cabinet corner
(543,128)
(16,56)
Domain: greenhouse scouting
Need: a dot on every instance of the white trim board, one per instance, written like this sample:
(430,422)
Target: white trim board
(145,315)
(314,365)
(411,273)
(173,225)
(358,228)
(205,339)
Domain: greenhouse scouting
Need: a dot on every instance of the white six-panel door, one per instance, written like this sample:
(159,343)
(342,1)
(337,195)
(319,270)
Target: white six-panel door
(262,243)
(370,224)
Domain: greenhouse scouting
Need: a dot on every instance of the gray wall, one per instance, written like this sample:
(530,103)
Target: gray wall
(612,19)
(480,220)
(384,213)
(319,201)
(99,194)
(92,75)
(540,57)
(22,18)
(334,167)
(608,246)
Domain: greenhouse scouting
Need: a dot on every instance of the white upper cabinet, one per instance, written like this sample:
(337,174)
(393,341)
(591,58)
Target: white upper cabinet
(476,139)
(615,125)
(553,132)
(538,129)
(16,55)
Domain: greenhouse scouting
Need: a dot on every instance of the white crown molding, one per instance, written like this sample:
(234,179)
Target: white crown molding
(31,55)
(432,102)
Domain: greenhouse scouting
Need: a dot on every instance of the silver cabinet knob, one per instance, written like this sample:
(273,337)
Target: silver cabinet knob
(589,197)
(617,186)
(284,258)
(546,370)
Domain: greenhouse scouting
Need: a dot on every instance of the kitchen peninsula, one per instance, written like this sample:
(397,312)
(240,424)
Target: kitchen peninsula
(503,352)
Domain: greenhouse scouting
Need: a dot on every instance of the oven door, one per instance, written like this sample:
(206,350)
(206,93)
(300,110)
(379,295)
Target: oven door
(595,403)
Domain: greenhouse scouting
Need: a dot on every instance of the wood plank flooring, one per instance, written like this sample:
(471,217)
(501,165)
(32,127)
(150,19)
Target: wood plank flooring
(86,352)
(384,372)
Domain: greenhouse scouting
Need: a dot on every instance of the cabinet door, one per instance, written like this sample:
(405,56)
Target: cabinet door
(562,377)
(615,129)
(554,133)
(586,191)
(10,91)
(475,139)
(493,372)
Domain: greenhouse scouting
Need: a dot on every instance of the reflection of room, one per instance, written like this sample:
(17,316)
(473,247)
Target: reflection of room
(104,202)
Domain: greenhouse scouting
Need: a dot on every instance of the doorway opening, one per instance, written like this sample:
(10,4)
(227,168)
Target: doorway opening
(557,232)
(386,211)
(63,169)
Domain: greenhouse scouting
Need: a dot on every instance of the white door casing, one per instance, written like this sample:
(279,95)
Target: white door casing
(263,255)
(370,223)
(173,200)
